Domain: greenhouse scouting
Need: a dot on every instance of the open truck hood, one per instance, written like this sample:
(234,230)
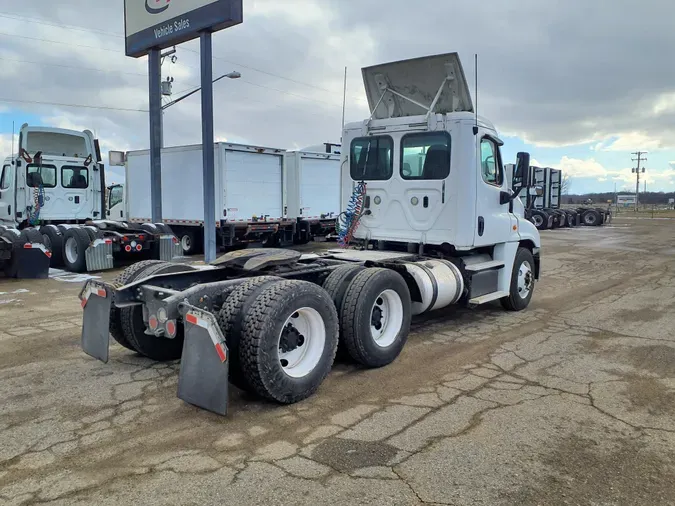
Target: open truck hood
(418,80)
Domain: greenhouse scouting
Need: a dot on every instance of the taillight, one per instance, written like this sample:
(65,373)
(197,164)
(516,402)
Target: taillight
(171,328)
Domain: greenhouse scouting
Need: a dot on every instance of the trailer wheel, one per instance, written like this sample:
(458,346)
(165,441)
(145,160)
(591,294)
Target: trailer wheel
(188,241)
(522,281)
(289,340)
(231,318)
(591,218)
(76,240)
(53,239)
(133,327)
(127,276)
(375,316)
(539,219)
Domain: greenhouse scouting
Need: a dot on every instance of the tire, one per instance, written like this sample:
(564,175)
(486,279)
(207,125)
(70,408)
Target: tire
(336,285)
(231,319)
(515,301)
(33,235)
(53,239)
(539,219)
(383,290)
(127,276)
(155,348)
(188,242)
(314,327)
(591,218)
(76,240)
(18,239)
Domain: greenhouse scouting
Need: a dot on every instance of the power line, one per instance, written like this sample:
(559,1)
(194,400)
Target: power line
(92,69)
(13,35)
(83,106)
(71,27)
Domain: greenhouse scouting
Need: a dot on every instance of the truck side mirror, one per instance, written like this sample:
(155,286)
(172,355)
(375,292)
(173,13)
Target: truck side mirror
(521,176)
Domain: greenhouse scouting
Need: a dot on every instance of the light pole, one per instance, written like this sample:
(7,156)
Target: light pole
(231,75)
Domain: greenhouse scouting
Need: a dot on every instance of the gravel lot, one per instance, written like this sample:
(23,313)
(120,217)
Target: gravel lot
(568,402)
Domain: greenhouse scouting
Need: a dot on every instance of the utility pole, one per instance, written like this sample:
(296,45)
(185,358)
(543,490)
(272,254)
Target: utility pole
(636,171)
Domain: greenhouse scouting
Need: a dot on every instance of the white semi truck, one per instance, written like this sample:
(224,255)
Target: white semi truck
(268,196)
(52,193)
(429,220)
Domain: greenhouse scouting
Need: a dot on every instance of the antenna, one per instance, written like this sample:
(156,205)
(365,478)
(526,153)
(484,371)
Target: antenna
(344,101)
(12,142)
(475,74)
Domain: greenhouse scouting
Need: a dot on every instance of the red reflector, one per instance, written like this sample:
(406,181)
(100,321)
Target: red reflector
(108,241)
(28,246)
(83,303)
(175,240)
(221,352)
(191,319)
(152,321)
(139,247)
(100,292)
(48,253)
(127,248)
(171,328)
(141,237)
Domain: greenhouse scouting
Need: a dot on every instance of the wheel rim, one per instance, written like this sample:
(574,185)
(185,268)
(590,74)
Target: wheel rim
(71,250)
(186,243)
(537,220)
(386,318)
(589,219)
(525,279)
(301,342)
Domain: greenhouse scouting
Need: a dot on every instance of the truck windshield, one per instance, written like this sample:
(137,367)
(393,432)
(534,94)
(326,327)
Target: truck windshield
(371,158)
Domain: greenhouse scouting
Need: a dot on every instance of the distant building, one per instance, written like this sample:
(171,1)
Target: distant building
(625,200)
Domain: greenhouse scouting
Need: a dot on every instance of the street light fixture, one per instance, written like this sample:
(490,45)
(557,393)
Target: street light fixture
(232,75)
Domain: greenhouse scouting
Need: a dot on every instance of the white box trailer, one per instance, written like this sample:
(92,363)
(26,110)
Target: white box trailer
(263,195)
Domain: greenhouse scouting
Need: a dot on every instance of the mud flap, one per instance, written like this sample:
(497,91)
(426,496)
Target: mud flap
(204,366)
(169,247)
(99,255)
(96,300)
(32,261)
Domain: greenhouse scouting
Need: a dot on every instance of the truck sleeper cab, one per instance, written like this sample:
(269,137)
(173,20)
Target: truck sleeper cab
(426,203)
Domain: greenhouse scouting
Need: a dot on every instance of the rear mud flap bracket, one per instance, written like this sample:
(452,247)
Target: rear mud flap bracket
(204,366)
(169,248)
(96,299)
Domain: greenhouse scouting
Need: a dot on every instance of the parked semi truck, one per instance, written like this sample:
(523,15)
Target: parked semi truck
(52,192)
(264,196)
(431,221)
(543,203)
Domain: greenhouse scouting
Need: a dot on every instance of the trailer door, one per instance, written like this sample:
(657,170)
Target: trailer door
(319,186)
(252,185)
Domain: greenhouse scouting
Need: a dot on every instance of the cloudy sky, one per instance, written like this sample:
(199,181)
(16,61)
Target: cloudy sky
(579,84)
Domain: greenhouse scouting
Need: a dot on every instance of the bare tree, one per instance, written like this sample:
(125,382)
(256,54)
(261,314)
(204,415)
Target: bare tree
(565,184)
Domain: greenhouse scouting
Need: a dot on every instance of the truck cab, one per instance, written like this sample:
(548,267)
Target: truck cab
(55,176)
(434,174)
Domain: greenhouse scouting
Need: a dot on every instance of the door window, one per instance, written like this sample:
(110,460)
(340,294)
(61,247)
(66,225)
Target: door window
(44,175)
(74,177)
(115,196)
(371,158)
(5,177)
(490,163)
(425,156)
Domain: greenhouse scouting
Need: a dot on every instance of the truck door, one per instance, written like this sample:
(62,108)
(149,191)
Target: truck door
(493,220)
(75,182)
(7,193)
